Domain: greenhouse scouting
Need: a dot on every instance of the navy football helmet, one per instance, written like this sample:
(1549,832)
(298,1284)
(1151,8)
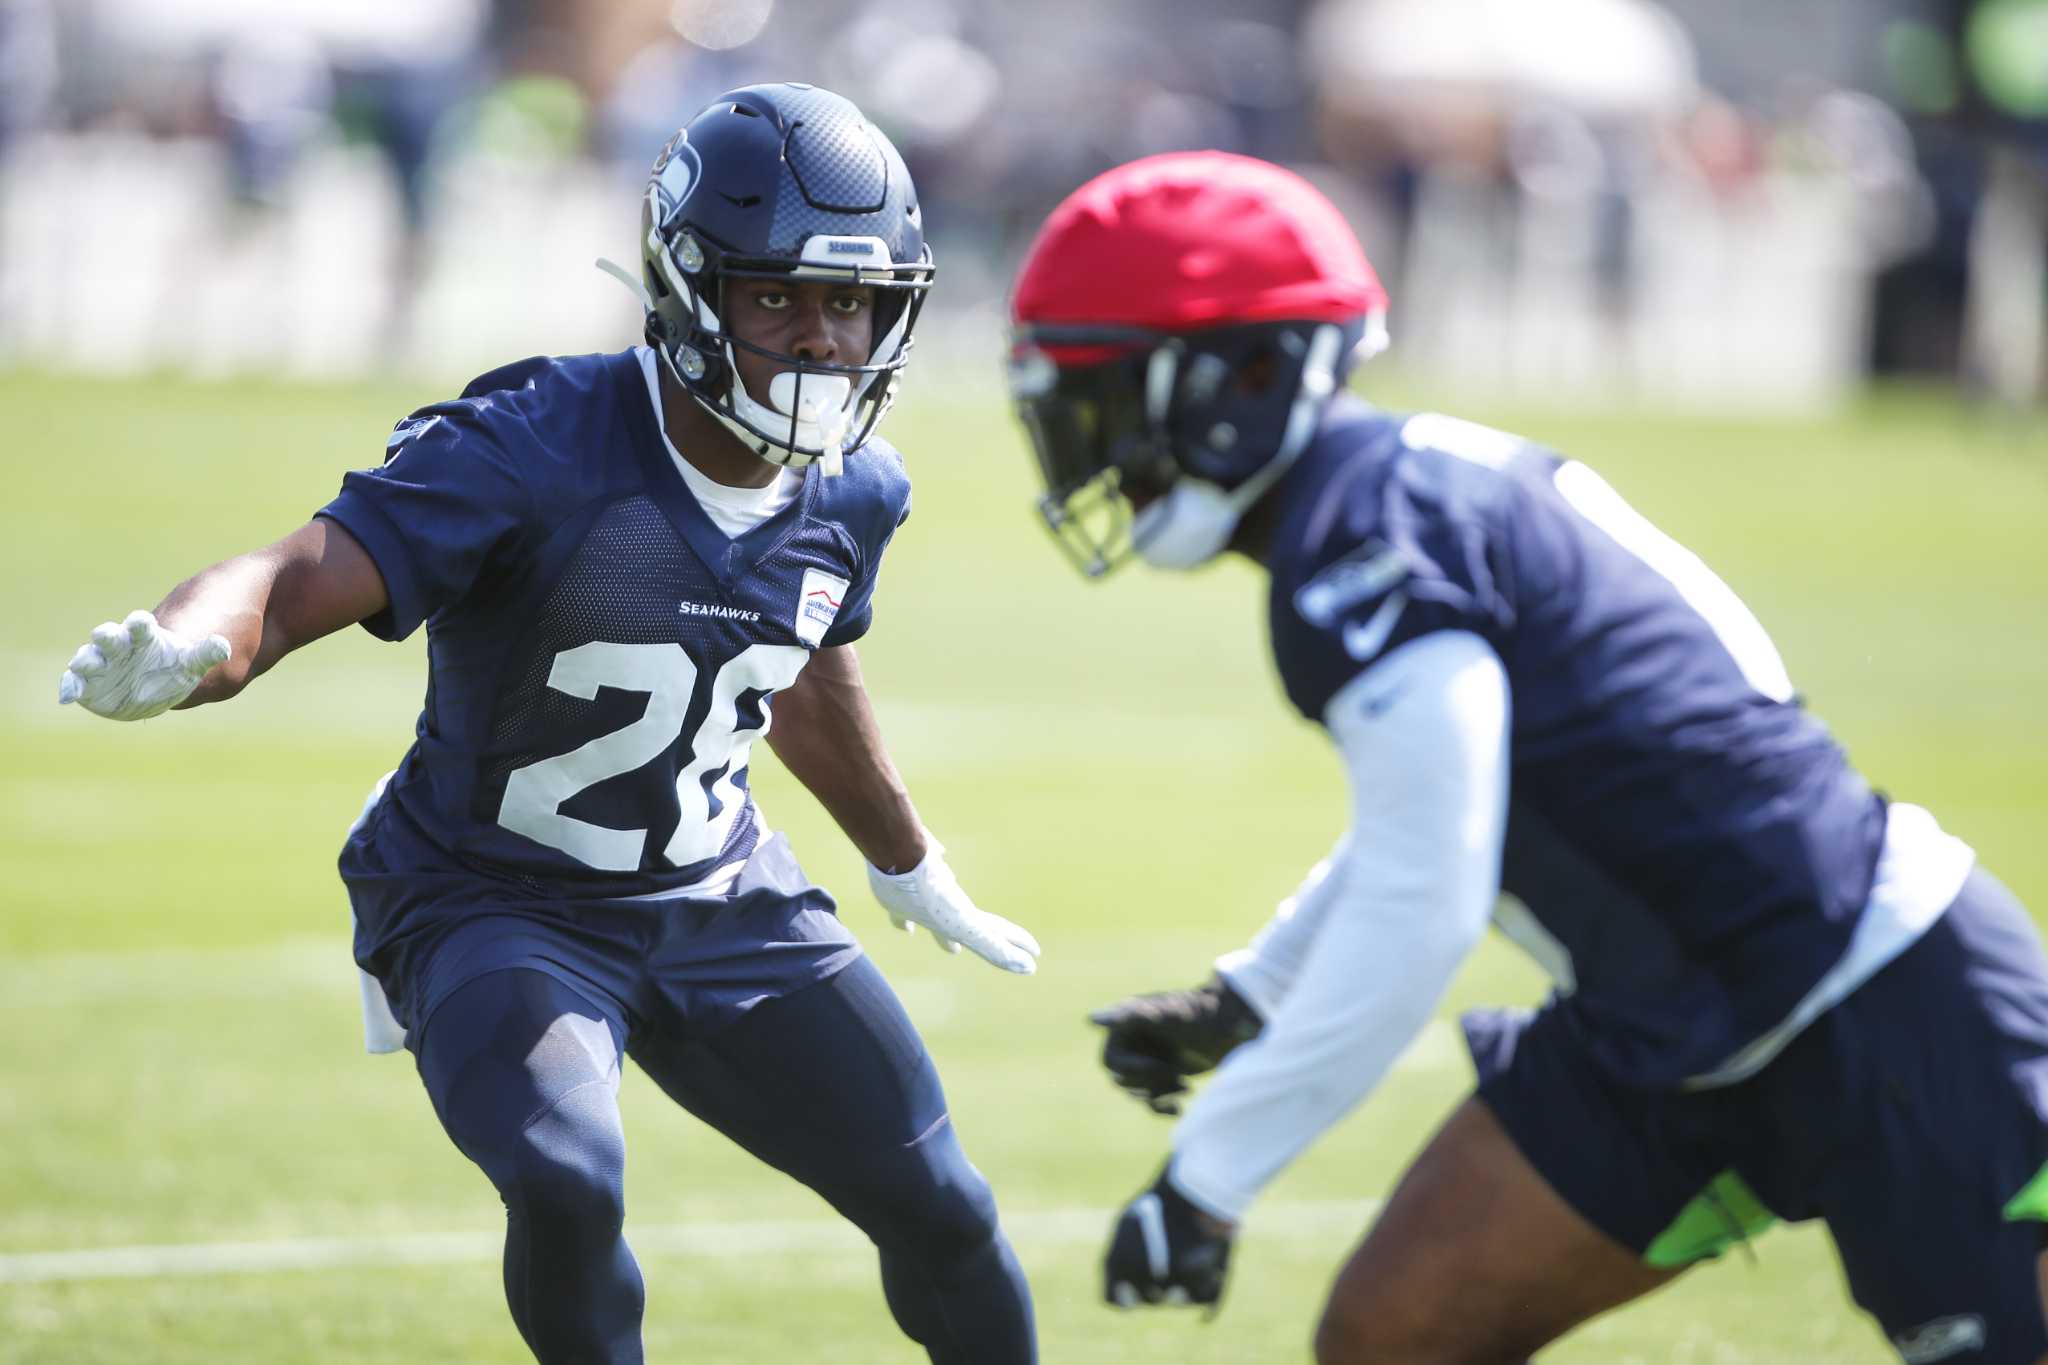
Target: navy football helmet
(782,182)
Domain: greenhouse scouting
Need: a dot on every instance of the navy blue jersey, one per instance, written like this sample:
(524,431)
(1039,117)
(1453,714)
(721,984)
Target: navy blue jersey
(1695,841)
(601,656)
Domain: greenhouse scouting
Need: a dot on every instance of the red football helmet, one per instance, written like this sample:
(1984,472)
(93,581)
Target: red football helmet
(1177,328)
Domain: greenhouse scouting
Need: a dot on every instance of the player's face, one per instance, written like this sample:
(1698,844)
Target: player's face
(813,320)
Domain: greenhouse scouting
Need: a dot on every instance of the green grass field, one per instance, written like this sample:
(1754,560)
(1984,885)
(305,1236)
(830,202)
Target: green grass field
(1110,764)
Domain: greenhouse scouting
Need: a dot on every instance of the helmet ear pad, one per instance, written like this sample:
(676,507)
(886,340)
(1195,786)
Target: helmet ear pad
(677,325)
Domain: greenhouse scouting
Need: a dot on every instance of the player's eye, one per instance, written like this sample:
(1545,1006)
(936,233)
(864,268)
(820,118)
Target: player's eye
(849,305)
(773,300)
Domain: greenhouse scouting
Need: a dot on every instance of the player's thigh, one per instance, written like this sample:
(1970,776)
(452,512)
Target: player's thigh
(1475,1259)
(833,1085)
(506,1048)
(808,1077)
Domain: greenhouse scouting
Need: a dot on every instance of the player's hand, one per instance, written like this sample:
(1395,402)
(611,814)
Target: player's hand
(1157,1041)
(1165,1250)
(929,894)
(136,669)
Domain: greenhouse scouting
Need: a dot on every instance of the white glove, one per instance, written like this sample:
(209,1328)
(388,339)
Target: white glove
(137,669)
(929,894)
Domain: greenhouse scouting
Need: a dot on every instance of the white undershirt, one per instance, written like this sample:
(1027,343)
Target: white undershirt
(735,511)
(1354,964)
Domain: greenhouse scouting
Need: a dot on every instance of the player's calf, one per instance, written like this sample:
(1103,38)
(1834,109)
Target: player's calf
(832,1084)
(524,1076)
(950,1276)
(570,1280)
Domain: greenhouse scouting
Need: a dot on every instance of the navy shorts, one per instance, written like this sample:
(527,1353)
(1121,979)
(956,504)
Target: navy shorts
(682,966)
(1913,1117)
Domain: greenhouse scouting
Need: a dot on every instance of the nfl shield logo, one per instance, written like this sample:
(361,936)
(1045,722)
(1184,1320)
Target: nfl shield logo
(817,603)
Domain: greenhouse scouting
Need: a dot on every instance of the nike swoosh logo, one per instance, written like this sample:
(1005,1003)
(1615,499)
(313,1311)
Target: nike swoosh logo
(1377,706)
(1363,639)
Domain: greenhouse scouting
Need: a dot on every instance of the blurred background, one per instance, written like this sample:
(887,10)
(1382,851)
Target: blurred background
(1775,269)
(1704,202)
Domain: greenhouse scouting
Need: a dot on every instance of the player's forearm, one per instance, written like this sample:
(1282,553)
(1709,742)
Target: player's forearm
(825,733)
(271,601)
(1376,978)
(867,799)
(228,599)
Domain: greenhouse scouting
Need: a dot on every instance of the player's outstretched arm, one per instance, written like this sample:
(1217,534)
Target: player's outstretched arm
(824,731)
(225,625)
(1424,737)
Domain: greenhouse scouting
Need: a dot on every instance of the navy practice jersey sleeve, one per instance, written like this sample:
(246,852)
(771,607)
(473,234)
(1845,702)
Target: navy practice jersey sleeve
(1373,561)
(448,501)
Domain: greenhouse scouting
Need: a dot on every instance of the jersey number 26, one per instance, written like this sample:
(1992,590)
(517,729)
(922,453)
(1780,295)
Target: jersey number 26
(535,794)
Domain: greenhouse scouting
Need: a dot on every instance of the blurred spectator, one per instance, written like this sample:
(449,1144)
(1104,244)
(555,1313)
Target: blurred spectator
(1566,198)
(1506,145)
(28,67)
(2005,319)
(1972,78)
(665,82)
(273,94)
(2005,59)
(396,81)
(28,87)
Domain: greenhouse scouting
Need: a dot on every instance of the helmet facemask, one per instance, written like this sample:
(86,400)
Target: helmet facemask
(815,410)
(1198,426)
(1095,441)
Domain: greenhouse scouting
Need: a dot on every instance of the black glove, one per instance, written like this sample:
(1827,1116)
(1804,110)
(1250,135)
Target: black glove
(1157,1041)
(1165,1250)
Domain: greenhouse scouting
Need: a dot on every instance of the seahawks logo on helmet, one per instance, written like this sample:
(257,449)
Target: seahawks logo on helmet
(676,172)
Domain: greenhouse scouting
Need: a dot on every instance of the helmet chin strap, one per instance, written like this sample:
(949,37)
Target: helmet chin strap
(826,436)
(1192,522)
(819,404)
(1186,527)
